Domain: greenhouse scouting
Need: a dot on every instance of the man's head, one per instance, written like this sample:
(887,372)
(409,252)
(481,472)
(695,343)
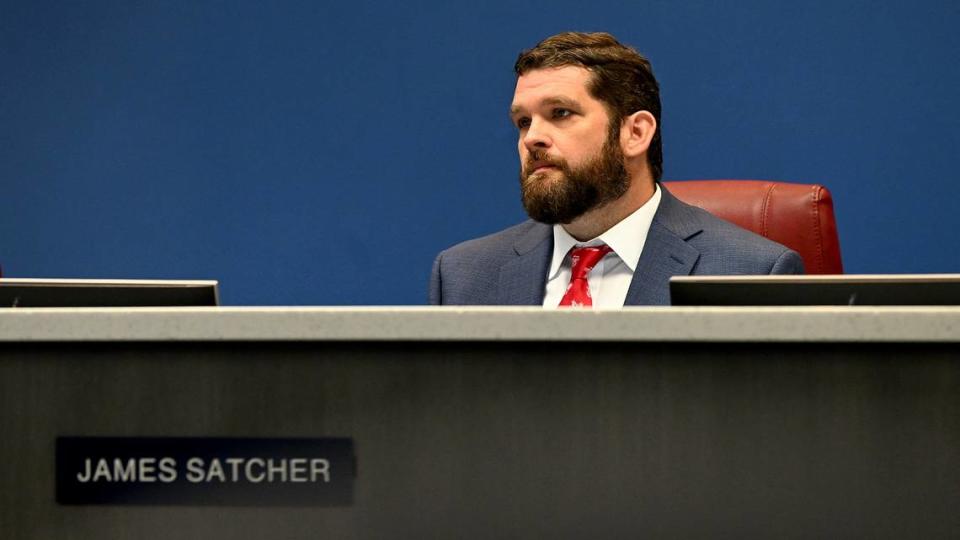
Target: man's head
(577,98)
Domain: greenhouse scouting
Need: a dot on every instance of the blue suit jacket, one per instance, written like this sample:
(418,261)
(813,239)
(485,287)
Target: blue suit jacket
(510,267)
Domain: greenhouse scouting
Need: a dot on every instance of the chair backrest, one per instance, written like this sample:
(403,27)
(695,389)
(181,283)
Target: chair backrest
(799,216)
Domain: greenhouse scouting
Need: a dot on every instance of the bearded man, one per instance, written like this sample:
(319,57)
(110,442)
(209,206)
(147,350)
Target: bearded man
(603,231)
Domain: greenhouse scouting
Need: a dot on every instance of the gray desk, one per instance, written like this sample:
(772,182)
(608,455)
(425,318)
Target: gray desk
(488,423)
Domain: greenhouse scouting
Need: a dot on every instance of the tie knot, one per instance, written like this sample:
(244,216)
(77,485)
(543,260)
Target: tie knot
(584,259)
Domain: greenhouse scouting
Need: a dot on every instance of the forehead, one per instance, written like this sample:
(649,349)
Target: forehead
(540,84)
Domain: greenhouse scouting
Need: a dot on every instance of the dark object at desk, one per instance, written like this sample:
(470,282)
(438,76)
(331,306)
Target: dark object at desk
(833,290)
(24,293)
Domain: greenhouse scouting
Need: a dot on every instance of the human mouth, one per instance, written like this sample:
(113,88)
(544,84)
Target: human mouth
(541,166)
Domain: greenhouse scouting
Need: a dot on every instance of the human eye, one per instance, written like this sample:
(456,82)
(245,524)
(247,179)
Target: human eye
(560,112)
(522,123)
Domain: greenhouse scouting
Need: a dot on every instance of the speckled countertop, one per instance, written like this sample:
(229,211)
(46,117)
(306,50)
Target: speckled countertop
(843,324)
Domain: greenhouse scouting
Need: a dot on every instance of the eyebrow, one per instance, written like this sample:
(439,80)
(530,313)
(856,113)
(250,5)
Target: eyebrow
(552,100)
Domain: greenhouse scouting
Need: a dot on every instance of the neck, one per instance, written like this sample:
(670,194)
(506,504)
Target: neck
(599,220)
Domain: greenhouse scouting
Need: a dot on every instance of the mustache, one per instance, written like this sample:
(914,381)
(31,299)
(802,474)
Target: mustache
(540,157)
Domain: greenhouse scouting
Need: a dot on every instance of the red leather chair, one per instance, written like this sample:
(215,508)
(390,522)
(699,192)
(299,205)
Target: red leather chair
(799,216)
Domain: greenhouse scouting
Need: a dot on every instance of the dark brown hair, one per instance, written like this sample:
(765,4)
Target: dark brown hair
(622,78)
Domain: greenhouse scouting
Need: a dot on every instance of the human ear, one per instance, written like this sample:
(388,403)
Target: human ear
(636,132)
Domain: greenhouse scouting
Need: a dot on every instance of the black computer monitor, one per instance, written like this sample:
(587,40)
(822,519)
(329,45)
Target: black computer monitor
(818,290)
(25,293)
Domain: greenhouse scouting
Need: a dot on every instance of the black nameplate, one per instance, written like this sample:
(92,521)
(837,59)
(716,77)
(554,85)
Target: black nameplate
(205,471)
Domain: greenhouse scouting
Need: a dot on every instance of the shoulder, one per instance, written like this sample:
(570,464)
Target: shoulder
(724,247)
(496,246)
(470,272)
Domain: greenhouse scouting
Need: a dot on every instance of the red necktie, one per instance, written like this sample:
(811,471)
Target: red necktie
(583,260)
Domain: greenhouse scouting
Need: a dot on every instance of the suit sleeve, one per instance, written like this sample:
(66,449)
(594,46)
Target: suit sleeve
(435,293)
(789,262)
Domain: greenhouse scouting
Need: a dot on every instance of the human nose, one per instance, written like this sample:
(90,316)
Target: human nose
(536,136)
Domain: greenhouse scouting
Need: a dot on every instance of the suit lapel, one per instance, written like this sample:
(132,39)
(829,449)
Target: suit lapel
(523,278)
(665,253)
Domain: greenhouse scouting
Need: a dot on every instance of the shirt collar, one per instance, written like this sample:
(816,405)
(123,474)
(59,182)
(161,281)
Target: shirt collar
(626,238)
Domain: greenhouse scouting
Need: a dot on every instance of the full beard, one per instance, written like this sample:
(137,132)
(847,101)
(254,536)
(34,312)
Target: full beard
(563,194)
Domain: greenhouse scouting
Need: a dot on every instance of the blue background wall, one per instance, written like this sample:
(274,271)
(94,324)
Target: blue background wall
(311,153)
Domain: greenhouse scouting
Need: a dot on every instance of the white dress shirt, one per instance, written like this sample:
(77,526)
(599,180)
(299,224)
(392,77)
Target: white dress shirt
(610,278)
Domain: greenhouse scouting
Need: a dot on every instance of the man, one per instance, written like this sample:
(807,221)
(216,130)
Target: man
(603,232)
